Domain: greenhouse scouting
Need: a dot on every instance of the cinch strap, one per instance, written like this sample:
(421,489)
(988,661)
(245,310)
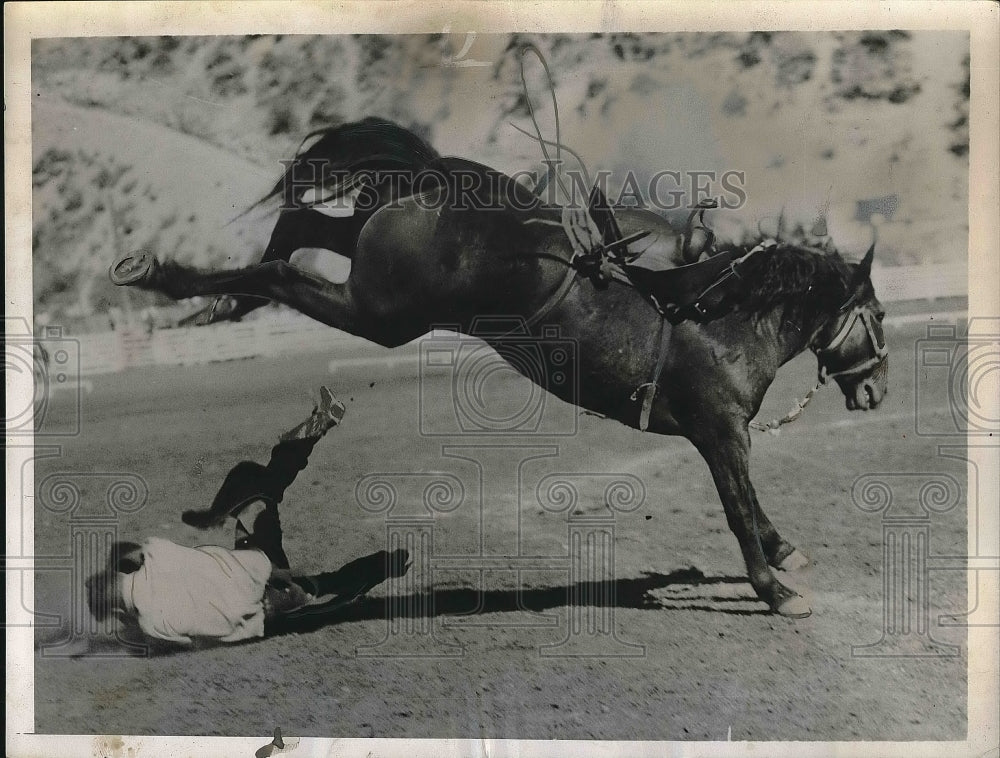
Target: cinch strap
(650,388)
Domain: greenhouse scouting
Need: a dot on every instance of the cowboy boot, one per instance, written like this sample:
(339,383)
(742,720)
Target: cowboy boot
(325,416)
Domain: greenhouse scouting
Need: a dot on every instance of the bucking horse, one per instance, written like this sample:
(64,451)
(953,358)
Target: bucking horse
(687,350)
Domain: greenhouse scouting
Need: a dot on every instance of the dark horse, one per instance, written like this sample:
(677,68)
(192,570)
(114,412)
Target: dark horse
(434,247)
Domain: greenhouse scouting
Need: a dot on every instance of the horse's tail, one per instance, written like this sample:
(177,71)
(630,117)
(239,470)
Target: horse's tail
(332,163)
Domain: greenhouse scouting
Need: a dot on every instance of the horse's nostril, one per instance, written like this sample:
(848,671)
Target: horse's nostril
(874,393)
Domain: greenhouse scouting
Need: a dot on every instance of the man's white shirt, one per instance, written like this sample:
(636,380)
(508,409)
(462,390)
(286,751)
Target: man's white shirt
(209,591)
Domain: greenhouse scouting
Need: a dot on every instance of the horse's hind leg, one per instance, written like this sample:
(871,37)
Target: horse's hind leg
(306,227)
(317,298)
(295,229)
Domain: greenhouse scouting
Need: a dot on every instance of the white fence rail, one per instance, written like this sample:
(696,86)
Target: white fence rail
(895,284)
(291,333)
(111,352)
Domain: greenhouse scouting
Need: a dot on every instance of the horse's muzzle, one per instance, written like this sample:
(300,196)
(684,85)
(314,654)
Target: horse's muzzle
(866,394)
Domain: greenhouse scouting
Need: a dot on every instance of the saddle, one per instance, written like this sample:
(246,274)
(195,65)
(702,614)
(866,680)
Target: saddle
(702,291)
(699,291)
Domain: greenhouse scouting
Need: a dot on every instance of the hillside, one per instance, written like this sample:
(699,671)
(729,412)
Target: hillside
(163,141)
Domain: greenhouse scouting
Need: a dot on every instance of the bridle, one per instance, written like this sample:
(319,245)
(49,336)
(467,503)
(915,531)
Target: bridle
(875,338)
(857,314)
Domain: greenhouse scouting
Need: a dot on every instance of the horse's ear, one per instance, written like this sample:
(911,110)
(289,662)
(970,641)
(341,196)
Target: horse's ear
(863,271)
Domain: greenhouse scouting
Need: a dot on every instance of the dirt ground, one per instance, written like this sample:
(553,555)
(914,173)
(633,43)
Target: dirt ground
(714,663)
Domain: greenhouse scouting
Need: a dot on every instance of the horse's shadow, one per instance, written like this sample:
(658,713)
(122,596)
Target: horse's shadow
(632,593)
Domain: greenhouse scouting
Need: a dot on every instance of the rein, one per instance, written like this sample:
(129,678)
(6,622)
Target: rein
(800,405)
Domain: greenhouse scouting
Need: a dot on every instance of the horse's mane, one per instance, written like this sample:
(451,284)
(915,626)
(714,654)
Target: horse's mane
(370,144)
(810,280)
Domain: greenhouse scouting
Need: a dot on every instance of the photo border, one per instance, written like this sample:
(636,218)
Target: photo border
(26,21)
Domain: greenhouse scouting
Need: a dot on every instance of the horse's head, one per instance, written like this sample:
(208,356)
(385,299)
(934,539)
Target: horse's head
(851,345)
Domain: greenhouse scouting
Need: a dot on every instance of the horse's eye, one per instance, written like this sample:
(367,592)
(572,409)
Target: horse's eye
(880,316)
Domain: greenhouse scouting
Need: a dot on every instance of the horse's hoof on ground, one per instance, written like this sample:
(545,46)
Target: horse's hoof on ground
(794,607)
(794,561)
(132,268)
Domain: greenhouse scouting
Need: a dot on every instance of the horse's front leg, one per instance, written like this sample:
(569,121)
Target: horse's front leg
(780,553)
(728,456)
(283,282)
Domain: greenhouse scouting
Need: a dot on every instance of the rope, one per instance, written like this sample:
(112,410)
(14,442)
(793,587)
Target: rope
(567,148)
(773,425)
(531,48)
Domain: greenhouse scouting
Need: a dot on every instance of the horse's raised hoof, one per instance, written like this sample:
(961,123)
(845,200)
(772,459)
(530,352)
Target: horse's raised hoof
(132,268)
(794,607)
(794,561)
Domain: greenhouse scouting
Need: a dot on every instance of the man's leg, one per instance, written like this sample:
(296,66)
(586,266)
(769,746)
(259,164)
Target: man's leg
(264,533)
(291,454)
(283,593)
(336,589)
(249,481)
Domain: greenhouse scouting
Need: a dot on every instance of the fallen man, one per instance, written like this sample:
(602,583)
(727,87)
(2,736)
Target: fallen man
(180,594)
